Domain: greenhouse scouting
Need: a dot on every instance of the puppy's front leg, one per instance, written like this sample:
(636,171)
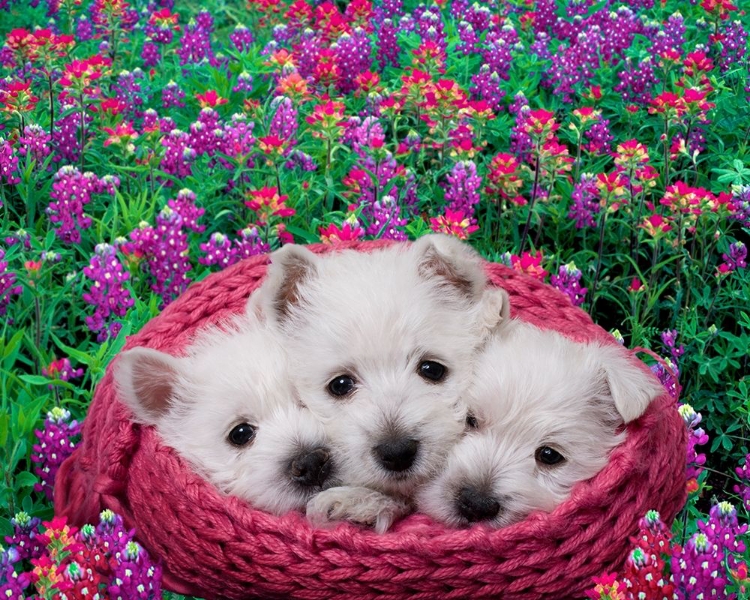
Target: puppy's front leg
(356,504)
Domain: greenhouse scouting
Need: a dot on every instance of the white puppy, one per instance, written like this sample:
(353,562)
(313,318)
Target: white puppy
(229,408)
(382,346)
(546,413)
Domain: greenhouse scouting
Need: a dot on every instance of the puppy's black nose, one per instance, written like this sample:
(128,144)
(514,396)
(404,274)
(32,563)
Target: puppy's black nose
(397,454)
(476,506)
(311,468)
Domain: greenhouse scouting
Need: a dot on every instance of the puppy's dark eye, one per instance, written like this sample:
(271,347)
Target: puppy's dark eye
(241,435)
(547,456)
(340,386)
(432,371)
(471,421)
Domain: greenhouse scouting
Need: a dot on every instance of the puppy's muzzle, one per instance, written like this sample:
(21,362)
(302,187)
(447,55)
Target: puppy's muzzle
(397,454)
(475,505)
(311,468)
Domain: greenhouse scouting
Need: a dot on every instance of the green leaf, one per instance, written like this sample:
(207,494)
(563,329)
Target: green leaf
(308,236)
(4,427)
(35,379)
(25,479)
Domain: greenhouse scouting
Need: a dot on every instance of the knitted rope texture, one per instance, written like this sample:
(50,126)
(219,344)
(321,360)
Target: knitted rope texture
(215,546)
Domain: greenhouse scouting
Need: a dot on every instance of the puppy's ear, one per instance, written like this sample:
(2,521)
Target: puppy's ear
(495,309)
(146,381)
(452,263)
(632,388)
(290,266)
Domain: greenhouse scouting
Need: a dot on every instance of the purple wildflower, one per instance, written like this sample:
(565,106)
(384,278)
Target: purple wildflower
(486,86)
(25,538)
(388,48)
(284,121)
(696,437)
(735,259)
(241,38)
(669,339)
(172,96)
(35,142)
(206,133)
(385,219)
(62,370)
(700,567)
(135,576)
(462,192)
(743,489)
(568,281)
(244,83)
(637,81)
(151,55)
(740,206)
(111,532)
(84,29)
(195,45)
(668,376)
(734,43)
(8,164)
(178,155)
(597,138)
(56,443)
(585,198)
(71,191)
(353,57)
(107,293)
(165,246)
(8,287)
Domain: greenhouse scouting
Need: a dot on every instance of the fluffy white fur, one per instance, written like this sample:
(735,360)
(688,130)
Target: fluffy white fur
(376,317)
(231,375)
(532,389)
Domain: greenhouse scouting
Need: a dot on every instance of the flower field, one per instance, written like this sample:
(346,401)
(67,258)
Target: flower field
(600,146)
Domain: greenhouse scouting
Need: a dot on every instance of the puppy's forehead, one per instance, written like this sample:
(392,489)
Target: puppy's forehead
(530,372)
(239,373)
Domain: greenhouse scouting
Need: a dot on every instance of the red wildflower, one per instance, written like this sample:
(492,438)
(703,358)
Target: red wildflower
(366,82)
(282,60)
(272,145)
(453,223)
(430,56)
(331,234)
(631,154)
(293,86)
(210,99)
(505,178)
(267,203)
(17,97)
(607,587)
(122,135)
(326,118)
(299,15)
(80,76)
(540,124)
(528,263)
(718,8)
(681,198)
(112,106)
(667,103)
(164,19)
(656,225)
(636,285)
(327,71)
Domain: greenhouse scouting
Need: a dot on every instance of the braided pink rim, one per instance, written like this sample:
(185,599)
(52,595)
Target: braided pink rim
(214,546)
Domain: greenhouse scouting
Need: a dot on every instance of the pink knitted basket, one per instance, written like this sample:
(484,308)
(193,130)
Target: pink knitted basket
(215,546)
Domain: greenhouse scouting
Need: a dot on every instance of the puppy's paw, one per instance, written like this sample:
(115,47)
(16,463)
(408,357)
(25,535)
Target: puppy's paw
(358,505)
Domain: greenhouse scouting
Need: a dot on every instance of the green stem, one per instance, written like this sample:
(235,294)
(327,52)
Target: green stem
(534,190)
(599,255)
